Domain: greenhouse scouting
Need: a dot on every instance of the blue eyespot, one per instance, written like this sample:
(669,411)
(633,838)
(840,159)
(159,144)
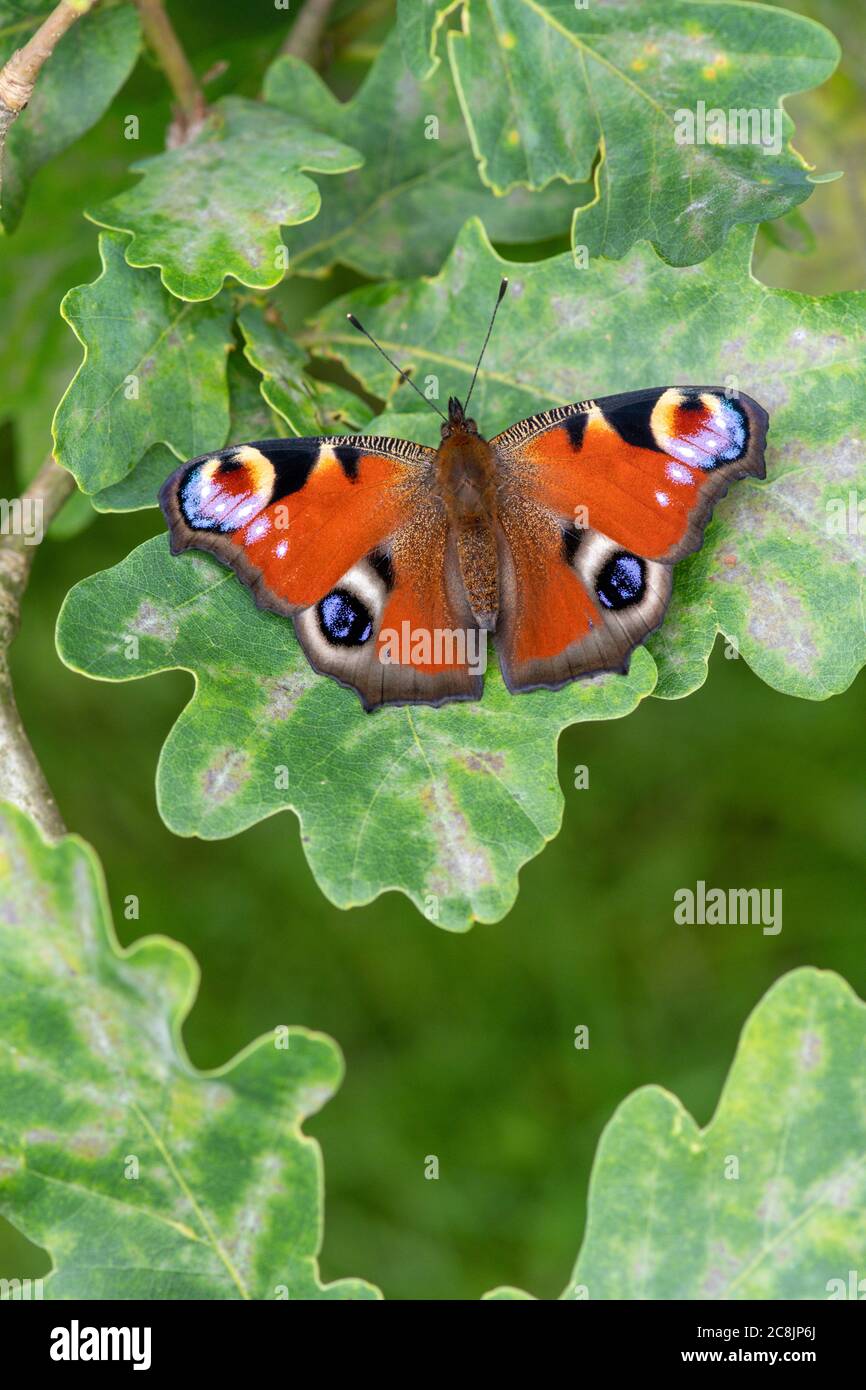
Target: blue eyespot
(736,425)
(621,581)
(344,620)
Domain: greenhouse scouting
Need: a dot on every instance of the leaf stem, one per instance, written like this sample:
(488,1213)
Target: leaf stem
(167,49)
(19,74)
(22,780)
(307,30)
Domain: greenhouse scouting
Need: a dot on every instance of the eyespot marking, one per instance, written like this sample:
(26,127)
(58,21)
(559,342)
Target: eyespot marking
(702,429)
(621,581)
(221,494)
(344,620)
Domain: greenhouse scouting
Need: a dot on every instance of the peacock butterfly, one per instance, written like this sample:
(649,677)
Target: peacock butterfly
(394,560)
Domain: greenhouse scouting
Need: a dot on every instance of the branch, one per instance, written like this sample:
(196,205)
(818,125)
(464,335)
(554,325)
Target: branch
(307,30)
(346,31)
(191,105)
(18,77)
(22,780)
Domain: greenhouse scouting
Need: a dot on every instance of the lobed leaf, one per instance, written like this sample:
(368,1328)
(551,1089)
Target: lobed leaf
(142,1176)
(250,417)
(769,1200)
(309,407)
(442,804)
(154,372)
(214,207)
(152,388)
(418,23)
(552,90)
(400,212)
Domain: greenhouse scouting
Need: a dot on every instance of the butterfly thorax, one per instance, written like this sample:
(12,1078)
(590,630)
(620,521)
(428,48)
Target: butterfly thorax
(466,480)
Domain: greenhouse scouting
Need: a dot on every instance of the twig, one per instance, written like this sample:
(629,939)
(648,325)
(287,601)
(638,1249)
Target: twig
(346,31)
(307,30)
(190,103)
(18,76)
(22,780)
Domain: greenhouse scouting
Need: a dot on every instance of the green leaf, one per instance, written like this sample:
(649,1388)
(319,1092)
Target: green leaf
(140,488)
(249,418)
(74,89)
(781,568)
(400,213)
(549,90)
(154,372)
(443,804)
(422,426)
(143,1177)
(769,1200)
(308,407)
(214,207)
(418,23)
(269,389)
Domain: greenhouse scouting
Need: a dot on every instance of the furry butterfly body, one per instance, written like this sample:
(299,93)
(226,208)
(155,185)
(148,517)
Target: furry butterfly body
(395,560)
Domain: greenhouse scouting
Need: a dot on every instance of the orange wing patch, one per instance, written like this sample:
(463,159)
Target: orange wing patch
(596,503)
(544,606)
(291,516)
(625,492)
(304,542)
(427,618)
(645,468)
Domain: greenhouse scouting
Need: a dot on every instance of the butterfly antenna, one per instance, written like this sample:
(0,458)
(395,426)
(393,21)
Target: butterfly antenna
(404,376)
(499,298)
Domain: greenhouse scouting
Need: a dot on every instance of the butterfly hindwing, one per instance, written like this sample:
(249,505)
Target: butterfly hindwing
(346,537)
(572,602)
(396,627)
(597,502)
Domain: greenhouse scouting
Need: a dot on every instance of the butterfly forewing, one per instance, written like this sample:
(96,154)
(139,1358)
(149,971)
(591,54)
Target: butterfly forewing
(347,537)
(597,501)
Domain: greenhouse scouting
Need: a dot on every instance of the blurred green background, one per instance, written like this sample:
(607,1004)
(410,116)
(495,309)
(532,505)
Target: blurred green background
(459,1046)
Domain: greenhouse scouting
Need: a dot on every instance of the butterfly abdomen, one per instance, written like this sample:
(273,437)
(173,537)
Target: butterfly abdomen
(467,486)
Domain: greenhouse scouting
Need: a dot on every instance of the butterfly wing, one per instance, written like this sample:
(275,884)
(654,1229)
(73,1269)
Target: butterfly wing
(597,502)
(348,538)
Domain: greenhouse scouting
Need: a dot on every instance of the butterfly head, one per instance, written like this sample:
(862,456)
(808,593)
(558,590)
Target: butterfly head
(458,421)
